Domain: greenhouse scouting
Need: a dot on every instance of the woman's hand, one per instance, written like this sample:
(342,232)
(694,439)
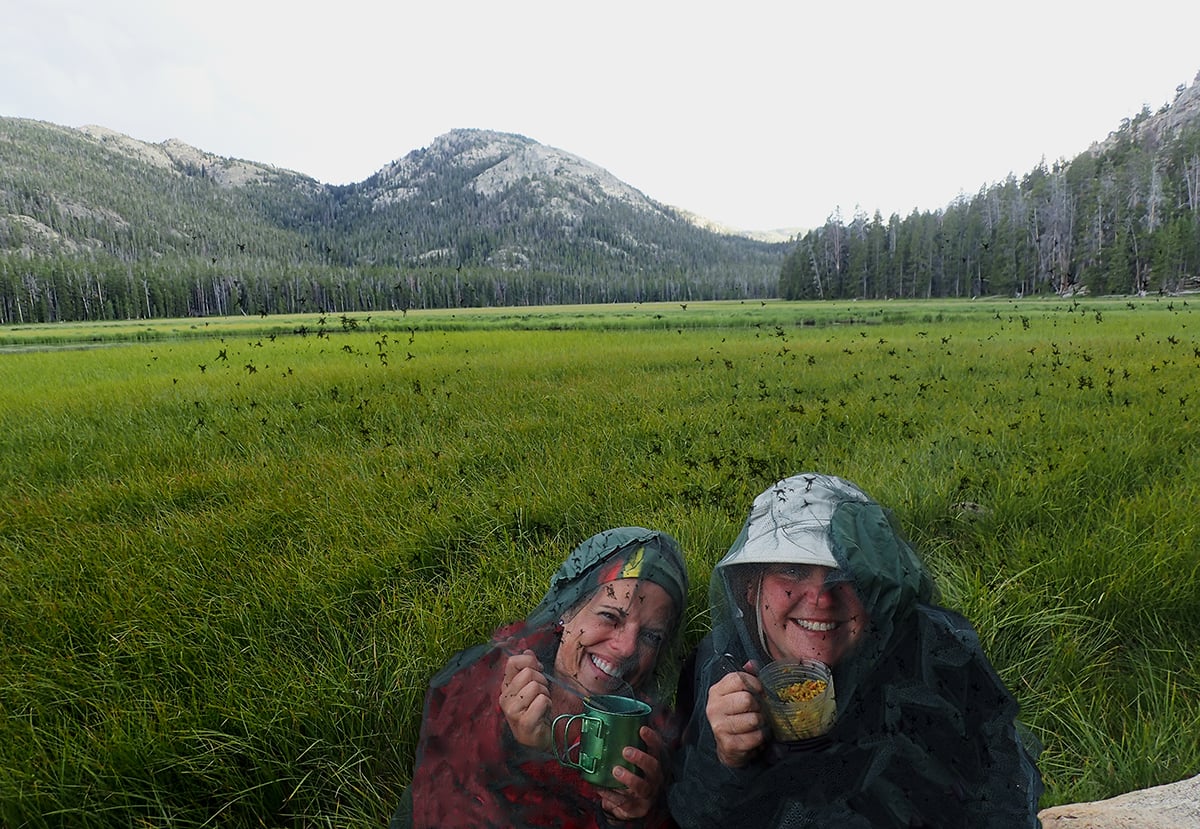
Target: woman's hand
(525,701)
(735,714)
(642,791)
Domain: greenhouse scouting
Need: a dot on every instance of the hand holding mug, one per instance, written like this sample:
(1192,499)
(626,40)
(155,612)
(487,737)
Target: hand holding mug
(642,790)
(525,700)
(736,716)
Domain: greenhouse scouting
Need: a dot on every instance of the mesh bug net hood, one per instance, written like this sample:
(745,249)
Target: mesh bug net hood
(925,732)
(829,522)
(470,770)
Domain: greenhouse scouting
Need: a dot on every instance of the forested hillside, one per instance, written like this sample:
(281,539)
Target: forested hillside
(1123,218)
(97,225)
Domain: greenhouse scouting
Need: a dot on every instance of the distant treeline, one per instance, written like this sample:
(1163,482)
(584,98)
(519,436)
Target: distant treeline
(88,288)
(1122,220)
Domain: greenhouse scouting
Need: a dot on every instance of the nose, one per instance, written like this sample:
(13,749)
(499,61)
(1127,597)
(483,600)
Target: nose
(835,594)
(625,641)
(824,594)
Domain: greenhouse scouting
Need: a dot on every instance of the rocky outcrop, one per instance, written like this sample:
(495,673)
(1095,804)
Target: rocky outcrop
(1172,806)
(182,158)
(1168,122)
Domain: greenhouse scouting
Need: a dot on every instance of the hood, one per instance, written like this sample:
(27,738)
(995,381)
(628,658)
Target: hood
(824,520)
(619,553)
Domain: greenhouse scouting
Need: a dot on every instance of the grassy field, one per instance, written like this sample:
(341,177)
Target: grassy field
(233,551)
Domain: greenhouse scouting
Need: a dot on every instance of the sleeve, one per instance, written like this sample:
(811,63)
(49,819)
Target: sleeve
(402,818)
(460,748)
(791,792)
(1010,785)
(704,792)
(997,776)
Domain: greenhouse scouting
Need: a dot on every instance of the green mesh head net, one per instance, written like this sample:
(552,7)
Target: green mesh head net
(606,626)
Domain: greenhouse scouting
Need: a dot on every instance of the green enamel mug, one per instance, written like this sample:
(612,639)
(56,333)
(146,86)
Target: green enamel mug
(608,724)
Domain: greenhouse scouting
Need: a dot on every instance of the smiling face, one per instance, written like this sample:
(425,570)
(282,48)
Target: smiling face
(806,615)
(616,636)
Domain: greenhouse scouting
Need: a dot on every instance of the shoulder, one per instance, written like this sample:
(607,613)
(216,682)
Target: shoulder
(691,690)
(956,656)
(685,688)
(471,661)
(946,628)
(488,656)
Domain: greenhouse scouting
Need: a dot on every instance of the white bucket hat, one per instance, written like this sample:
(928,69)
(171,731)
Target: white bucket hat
(789,522)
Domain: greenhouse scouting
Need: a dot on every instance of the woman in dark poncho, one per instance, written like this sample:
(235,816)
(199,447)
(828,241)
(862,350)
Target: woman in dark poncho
(925,733)
(486,755)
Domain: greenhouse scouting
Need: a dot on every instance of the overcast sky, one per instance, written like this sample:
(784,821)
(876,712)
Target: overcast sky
(758,115)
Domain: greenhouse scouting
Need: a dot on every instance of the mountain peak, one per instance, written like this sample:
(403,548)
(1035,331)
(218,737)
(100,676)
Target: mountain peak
(499,165)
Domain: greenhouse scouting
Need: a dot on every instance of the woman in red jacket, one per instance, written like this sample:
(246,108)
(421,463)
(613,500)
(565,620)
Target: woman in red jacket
(487,756)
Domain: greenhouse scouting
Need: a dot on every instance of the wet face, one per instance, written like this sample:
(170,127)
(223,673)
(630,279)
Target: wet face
(807,615)
(616,636)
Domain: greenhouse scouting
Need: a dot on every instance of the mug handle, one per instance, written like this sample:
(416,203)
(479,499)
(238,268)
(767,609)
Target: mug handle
(563,752)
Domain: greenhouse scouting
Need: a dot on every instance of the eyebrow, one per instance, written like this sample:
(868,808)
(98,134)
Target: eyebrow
(657,625)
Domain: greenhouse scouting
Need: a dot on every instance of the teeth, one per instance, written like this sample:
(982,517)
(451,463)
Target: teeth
(817,627)
(606,667)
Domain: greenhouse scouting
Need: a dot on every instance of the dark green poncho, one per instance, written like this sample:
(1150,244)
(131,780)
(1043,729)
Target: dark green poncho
(926,732)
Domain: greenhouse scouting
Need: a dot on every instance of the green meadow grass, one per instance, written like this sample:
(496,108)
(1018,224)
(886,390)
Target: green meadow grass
(233,551)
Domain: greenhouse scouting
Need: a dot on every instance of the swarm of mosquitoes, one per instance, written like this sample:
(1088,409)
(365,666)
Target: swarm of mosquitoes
(784,379)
